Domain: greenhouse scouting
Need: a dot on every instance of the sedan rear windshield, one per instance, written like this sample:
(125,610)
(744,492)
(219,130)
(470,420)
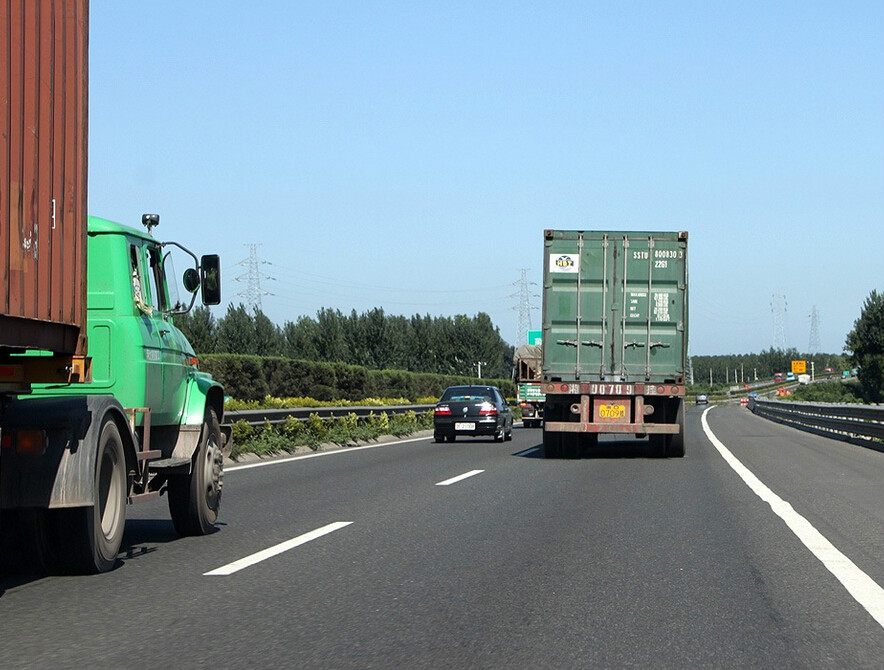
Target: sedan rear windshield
(467,395)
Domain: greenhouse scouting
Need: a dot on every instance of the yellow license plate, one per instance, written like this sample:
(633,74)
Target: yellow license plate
(612,411)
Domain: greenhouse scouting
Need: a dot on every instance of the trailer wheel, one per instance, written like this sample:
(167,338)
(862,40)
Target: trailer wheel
(675,443)
(552,444)
(195,499)
(571,445)
(86,540)
(658,445)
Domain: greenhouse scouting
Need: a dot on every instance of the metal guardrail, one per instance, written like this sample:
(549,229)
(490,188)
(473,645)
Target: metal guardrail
(842,421)
(258,417)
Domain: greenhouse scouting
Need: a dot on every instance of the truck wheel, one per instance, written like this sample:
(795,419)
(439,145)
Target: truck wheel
(194,499)
(658,445)
(86,540)
(571,445)
(675,443)
(552,445)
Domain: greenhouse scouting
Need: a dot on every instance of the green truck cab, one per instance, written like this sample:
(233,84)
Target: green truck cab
(136,418)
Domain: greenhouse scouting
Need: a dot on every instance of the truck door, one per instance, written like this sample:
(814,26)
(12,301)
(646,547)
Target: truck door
(171,350)
(148,303)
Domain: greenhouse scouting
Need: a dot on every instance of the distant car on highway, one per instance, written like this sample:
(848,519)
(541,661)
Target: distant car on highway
(702,399)
(472,411)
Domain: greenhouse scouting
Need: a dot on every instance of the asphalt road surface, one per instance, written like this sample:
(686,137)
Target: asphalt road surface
(762,548)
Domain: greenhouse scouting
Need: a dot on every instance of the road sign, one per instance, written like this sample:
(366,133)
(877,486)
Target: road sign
(799,367)
(535,336)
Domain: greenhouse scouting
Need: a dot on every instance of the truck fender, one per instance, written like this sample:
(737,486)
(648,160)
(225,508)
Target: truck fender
(203,392)
(64,476)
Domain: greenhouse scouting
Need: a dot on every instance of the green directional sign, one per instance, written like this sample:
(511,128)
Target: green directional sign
(535,336)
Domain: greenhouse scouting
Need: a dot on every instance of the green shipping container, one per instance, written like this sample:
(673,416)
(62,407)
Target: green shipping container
(615,306)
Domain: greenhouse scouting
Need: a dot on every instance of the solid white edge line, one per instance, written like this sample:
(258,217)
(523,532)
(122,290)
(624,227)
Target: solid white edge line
(257,557)
(858,584)
(343,450)
(459,478)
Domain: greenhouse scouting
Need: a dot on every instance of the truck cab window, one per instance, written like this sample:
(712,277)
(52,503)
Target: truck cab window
(140,288)
(159,279)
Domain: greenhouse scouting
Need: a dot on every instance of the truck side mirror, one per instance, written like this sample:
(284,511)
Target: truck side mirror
(210,279)
(191,280)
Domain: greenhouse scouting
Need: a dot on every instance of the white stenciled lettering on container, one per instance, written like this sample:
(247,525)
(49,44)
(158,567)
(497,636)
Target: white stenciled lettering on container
(661,307)
(635,301)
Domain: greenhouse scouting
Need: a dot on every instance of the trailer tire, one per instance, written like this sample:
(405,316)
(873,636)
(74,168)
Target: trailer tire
(552,444)
(195,499)
(571,445)
(657,442)
(86,540)
(675,443)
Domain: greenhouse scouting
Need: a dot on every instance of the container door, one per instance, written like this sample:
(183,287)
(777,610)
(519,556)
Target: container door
(650,277)
(574,306)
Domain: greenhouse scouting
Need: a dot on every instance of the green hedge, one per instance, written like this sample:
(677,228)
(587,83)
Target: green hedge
(254,377)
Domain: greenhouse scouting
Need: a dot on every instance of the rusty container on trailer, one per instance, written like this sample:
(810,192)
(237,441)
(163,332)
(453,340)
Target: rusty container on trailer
(43,135)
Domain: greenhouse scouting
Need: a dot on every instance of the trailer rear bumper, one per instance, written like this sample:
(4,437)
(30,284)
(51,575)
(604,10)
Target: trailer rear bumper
(641,428)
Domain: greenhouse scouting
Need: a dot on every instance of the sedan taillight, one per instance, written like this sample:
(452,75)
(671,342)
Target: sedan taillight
(487,409)
(443,410)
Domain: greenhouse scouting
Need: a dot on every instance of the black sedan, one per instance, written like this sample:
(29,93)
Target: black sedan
(472,410)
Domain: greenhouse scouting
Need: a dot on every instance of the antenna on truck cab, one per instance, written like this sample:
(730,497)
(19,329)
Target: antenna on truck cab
(150,221)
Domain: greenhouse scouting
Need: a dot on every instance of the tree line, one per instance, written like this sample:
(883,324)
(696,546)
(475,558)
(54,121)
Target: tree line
(473,347)
(863,351)
(458,345)
(746,368)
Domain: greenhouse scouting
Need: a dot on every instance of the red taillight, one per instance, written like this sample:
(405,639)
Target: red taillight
(30,441)
(444,410)
(487,409)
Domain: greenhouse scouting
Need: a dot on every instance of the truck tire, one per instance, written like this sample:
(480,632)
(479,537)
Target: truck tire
(658,445)
(195,499)
(571,445)
(675,443)
(552,445)
(86,540)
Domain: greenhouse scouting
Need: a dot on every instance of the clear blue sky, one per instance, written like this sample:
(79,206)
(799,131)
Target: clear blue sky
(408,155)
